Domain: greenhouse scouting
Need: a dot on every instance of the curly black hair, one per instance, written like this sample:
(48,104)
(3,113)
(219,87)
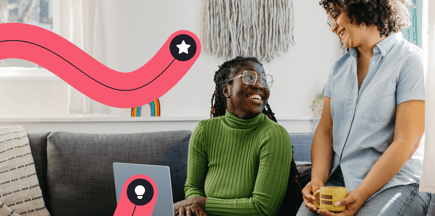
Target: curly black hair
(390,16)
(293,197)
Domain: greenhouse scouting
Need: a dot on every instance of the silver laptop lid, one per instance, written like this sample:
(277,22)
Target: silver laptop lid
(161,176)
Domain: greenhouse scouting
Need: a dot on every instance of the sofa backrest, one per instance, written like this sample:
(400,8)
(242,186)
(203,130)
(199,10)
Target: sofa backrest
(38,146)
(302,146)
(79,171)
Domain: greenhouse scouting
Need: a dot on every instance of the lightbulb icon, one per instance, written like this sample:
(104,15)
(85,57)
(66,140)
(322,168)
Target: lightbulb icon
(139,190)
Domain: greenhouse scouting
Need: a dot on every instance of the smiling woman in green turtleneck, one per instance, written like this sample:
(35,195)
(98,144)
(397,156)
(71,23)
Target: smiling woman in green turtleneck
(239,161)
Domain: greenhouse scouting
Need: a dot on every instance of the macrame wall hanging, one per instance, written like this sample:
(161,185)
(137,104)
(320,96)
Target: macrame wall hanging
(249,28)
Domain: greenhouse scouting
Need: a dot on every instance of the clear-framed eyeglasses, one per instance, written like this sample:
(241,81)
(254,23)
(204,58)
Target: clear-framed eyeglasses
(250,77)
(331,21)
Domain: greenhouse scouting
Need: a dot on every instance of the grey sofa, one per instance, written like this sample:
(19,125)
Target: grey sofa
(75,169)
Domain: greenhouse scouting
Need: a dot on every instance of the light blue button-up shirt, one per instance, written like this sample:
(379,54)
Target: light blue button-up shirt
(364,119)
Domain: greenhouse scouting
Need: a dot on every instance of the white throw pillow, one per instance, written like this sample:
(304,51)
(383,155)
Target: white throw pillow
(19,186)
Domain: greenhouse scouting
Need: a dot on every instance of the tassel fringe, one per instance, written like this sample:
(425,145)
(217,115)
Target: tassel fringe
(250,28)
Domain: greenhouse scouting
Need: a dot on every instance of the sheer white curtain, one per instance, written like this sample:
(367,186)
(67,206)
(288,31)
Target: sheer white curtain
(427,183)
(85,24)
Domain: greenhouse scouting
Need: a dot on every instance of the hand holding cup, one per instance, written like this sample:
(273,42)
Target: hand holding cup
(327,196)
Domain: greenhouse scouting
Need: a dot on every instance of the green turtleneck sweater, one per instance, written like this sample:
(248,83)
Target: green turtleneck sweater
(241,166)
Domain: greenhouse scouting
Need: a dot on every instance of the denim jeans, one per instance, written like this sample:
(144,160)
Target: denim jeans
(401,200)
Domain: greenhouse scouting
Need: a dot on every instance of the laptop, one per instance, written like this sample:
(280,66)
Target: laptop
(161,176)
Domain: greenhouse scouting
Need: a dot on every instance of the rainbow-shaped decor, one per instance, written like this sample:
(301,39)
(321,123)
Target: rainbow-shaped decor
(154,109)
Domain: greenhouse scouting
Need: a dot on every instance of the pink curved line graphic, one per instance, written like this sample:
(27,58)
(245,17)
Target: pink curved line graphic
(89,76)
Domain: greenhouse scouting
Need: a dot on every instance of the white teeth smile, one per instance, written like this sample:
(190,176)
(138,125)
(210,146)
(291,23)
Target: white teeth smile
(255,96)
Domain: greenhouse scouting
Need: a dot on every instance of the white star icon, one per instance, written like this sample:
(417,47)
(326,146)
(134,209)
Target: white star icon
(183,47)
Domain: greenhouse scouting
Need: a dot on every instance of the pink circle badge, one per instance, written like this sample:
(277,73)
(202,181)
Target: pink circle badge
(138,197)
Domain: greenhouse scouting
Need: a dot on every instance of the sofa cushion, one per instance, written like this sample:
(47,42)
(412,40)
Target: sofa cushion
(38,145)
(302,146)
(80,177)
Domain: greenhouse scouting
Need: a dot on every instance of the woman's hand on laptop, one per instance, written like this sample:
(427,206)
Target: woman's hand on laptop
(192,206)
(191,210)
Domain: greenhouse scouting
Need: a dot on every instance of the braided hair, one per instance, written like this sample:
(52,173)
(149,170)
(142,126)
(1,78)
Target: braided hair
(293,197)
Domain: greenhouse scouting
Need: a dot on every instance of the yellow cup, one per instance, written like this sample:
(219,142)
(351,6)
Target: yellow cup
(327,196)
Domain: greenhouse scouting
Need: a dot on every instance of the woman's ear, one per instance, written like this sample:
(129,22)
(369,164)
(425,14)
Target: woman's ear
(226,90)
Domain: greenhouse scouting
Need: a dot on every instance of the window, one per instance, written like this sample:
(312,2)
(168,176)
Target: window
(35,12)
(414,34)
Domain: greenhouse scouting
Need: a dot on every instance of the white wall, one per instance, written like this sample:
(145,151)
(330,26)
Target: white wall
(140,27)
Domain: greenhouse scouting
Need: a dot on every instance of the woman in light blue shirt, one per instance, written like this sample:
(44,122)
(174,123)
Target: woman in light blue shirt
(373,113)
